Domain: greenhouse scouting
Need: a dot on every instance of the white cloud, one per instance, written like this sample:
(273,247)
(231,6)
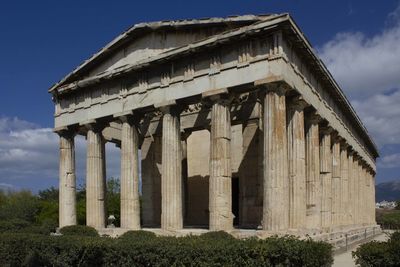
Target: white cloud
(390,161)
(28,152)
(381,115)
(363,65)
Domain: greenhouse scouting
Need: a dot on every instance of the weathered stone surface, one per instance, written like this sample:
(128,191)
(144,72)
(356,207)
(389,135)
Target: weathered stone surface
(130,206)
(67,198)
(171,175)
(336,183)
(297,164)
(276,182)
(95,179)
(313,179)
(344,192)
(351,187)
(221,217)
(326,178)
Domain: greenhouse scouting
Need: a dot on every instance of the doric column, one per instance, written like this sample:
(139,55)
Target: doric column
(373,216)
(365,196)
(95,178)
(297,163)
(362,191)
(130,206)
(67,189)
(357,189)
(350,176)
(220,188)
(171,175)
(344,199)
(336,181)
(326,178)
(276,182)
(313,182)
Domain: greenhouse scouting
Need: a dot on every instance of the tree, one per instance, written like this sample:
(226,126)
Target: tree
(48,210)
(50,194)
(19,205)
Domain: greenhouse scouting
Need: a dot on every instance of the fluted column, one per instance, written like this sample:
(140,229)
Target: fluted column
(362,191)
(297,163)
(326,178)
(95,178)
(350,176)
(276,182)
(344,199)
(313,182)
(357,189)
(130,206)
(373,216)
(67,184)
(171,174)
(364,201)
(220,188)
(336,182)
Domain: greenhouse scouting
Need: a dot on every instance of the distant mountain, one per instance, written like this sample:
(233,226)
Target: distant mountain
(389,191)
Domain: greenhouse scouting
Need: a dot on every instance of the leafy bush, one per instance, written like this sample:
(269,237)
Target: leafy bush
(376,253)
(13,225)
(39,250)
(138,236)
(79,230)
(217,235)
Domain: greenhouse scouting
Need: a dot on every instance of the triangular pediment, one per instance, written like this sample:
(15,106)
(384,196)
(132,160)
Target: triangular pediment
(146,40)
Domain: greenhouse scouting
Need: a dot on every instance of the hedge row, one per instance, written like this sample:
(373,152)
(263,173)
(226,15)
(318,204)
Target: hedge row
(382,254)
(145,249)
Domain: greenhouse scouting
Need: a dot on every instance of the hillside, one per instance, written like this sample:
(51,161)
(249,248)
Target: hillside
(389,191)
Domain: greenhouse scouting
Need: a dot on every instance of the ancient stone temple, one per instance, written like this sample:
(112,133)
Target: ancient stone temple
(235,124)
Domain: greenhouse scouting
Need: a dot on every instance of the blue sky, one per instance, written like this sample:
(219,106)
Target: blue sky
(41,41)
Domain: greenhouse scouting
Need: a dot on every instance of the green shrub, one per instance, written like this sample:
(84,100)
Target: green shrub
(138,236)
(79,230)
(217,235)
(376,253)
(12,225)
(39,250)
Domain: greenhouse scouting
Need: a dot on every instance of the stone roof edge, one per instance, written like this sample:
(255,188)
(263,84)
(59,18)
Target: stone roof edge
(130,33)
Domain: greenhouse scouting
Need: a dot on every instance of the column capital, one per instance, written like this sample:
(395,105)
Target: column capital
(66,131)
(343,144)
(336,138)
(350,151)
(313,117)
(278,88)
(130,118)
(356,156)
(298,103)
(326,130)
(169,107)
(93,125)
